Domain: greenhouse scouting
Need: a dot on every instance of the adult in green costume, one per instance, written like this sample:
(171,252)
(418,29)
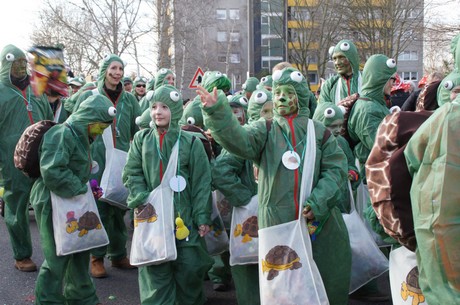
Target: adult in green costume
(260,105)
(348,78)
(164,77)
(65,168)
(123,129)
(139,87)
(70,102)
(179,281)
(143,103)
(127,84)
(19,109)
(234,178)
(278,186)
(432,156)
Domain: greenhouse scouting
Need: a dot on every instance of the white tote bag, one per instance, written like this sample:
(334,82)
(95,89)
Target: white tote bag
(288,274)
(224,207)
(244,234)
(77,225)
(154,241)
(217,238)
(114,191)
(367,261)
(404,278)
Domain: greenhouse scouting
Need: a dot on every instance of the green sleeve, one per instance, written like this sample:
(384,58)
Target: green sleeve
(332,174)
(56,150)
(200,176)
(133,174)
(325,94)
(343,144)
(136,112)
(226,173)
(225,128)
(366,124)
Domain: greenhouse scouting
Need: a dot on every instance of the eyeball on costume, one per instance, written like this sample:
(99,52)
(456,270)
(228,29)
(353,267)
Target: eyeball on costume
(243,101)
(219,74)
(345,46)
(264,79)
(191,120)
(331,51)
(149,95)
(449,85)
(80,79)
(277,75)
(112,111)
(9,57)
(395,109)
(261,97)
(106,57)
(175,96)
(391,63)
(137,120)
(296,76)
(229,98)
(329,113)
(244,87)
(343,109)
(152,124)
(163,71)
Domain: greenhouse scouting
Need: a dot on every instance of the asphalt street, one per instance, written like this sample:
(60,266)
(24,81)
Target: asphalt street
(119,288)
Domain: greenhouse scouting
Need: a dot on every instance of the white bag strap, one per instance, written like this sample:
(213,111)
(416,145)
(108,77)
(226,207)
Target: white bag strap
(171,169)
(58,112)
(352,199)
(338,89)
(308,167)
(107,138)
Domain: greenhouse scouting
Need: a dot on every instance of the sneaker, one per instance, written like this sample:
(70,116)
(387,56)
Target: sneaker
(220,287)
(25,265)
(122,263)
(97,268)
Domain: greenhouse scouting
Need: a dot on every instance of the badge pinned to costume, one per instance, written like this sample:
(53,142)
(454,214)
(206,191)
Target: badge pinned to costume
(94,167)
(177,183)
(291,160)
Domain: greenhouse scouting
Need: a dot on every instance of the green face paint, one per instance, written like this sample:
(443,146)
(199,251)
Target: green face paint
(285,100)
(342,64)
(19,68)
(335,127)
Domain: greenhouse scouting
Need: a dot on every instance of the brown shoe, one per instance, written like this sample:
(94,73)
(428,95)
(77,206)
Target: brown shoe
(122,263)
(97,267)
(25,265)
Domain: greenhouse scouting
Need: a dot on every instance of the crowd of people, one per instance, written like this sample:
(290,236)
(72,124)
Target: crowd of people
(254,142)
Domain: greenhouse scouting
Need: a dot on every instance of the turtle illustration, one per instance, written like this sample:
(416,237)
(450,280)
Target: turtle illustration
(145,213)
(224,207)
(88,221)
(216,227)
(280,258)
(249,229)
(411,288)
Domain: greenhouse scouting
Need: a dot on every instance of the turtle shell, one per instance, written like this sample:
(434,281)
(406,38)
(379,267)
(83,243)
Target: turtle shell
(88,221)
(145,212)
(251,227)
(281,255)
(412,281)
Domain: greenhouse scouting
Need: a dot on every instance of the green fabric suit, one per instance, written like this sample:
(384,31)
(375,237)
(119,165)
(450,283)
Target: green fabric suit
(14,119)
(432,156)
(179,281)
(277,185)
(127,111)
(65,170)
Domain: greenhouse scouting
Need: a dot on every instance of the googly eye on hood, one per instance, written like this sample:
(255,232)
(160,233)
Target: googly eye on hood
(448,85)
(329,113)
(345,46)
(297,76)
(391,63)
(260,97)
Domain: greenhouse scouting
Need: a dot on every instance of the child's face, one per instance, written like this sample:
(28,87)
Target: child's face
(239,113)
(161,114)
(267,110)
(335,127)
(285,100)
(454,92)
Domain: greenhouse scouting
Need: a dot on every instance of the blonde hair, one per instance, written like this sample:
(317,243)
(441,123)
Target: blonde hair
(281,66)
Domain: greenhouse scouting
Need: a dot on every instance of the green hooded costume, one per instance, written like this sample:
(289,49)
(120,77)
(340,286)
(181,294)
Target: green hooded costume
(453,79)
(278,186)
(432,157)
(258,99)
(338,87)
(371,108)
(139,81)
(179,281)
(123,129)
(160,77)
(143,121)
(65,170)
(266,82)
(14,119)
(250,85)
(70,102)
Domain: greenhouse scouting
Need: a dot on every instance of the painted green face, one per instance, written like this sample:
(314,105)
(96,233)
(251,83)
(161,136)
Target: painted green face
(285,100)
(335,127)
(342,64)
(19,68)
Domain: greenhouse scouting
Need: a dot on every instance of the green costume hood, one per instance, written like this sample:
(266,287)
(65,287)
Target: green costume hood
(160,77)
(150,84)
(170,96)
(451,81)
(192,114)
(143,121)
(238,100)
(348,48)
(291,76)
(455,49)
(9,54)
(216,79)
(376,73)
(256,102)
(127,79)
(250,85)
(103,68)
(266,81)
(139,80)
(327,113)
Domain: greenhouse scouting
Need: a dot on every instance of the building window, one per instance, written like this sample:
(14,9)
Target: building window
(265,64)
(264,19)
(235,37)
(408,55)
(221,36)
(265,42)
(300,13)
(221,14)
(409,76)
(234,14)
(235,58)
(222,58)
(312,78)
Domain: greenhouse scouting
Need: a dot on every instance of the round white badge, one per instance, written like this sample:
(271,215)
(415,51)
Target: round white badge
(94,167)
(291,160)
(177,183)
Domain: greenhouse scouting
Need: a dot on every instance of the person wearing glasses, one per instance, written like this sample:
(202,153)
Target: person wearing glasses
(139,87)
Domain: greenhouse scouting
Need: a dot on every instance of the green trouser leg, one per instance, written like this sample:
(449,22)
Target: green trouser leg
(17,213)
(220,272)
(62,279)
(176,282)
(246,279)
(113,220)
